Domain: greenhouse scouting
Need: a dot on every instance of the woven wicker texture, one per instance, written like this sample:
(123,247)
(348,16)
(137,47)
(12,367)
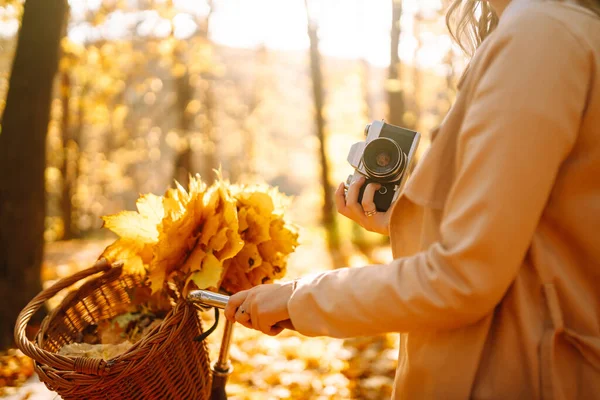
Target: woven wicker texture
(165,364)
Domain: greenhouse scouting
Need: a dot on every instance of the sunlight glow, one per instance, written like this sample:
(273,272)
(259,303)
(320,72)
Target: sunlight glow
(348,29)
(9,25)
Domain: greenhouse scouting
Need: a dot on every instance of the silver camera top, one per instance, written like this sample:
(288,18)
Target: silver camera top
(384,157)
(355,156)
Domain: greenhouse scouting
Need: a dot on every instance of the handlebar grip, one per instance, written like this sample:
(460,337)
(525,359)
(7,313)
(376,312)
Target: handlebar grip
(212,299)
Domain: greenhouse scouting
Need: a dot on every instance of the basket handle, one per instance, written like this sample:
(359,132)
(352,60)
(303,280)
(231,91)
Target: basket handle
(41,356)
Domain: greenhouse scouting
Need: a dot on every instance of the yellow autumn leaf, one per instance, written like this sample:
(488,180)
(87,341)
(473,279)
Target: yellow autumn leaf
(210,274)
(267,238)
(172,207)
(268,253)
(140,226)
(157,277)
(150,205)
(258,227)
(260,201)
(179,231)
(131,225)
(243,219)
(194,261)
(196,185)
(129,251)
(210,228)
(218,241)
(249,258)
(265,273)
(211,200)
(235,279)
(134,266)
(283,237)
(233,246)
(276,203)
(173,245)
(183,194)
(230,212)
(220,231)
(175,200)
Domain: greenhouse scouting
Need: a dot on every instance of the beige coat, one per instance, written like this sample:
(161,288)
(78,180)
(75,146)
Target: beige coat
(495,286)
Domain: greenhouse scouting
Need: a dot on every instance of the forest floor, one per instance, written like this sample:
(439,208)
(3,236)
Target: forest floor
(289,366)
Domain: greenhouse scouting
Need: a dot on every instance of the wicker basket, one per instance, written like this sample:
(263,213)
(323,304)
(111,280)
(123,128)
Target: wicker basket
(166,364)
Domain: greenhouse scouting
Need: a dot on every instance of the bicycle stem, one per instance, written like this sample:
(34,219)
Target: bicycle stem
(221,368)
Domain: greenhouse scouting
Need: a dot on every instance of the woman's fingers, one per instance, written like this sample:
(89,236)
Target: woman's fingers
(233,305)
(262,308)
(347,205)
(352,198)
(340,200)
(274,330)
(354,190)
(368,202)
(244,316)
(247,324)
(255,314)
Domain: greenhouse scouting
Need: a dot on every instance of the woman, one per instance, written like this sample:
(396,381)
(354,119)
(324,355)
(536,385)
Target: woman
(495,283)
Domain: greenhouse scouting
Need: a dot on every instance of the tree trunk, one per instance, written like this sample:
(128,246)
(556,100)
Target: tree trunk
(23,158)
(396,107)
(183,160)
(210,160)
(66,169)
(71,153)
(365,73)
(244,169)
(328,213)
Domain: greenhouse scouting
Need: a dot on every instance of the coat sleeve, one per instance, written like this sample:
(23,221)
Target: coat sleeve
(522,121)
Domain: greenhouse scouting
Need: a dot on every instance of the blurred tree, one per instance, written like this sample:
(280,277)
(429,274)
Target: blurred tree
(71,138)
(69,161)
(23,158)
(244,168)
(365,70)
(250,131)
(210,158)
(396,107)
(184,93)
(328,213)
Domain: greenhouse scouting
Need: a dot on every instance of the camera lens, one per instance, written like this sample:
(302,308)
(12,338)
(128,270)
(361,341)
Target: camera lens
(383,159)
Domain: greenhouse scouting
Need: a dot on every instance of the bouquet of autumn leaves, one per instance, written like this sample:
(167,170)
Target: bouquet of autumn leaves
(229,237)
(223,237)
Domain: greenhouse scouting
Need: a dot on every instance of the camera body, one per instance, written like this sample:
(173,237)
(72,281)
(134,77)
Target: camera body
(385,157)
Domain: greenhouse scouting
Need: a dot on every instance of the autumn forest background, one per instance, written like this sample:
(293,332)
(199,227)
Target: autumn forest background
(102,100)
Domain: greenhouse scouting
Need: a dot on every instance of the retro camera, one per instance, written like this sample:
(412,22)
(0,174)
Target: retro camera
(384,157)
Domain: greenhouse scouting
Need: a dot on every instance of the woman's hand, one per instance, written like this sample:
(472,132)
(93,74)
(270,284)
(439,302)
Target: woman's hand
(262,308)
(348,206)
